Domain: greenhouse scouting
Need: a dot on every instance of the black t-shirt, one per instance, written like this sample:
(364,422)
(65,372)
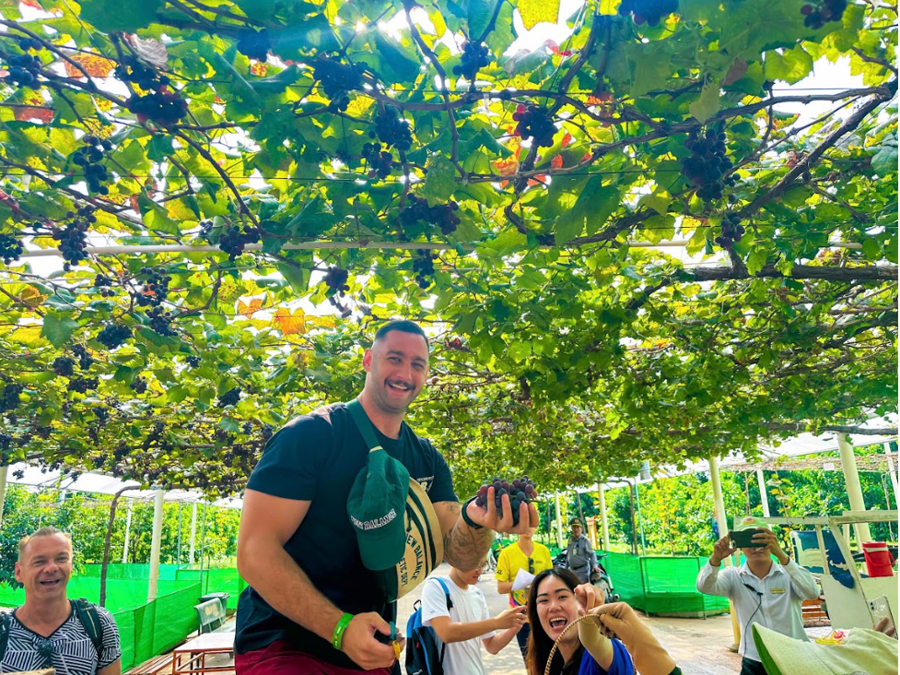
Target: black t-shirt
(316,457)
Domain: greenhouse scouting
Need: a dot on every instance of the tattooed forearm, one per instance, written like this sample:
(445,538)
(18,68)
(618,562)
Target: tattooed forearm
(465,548)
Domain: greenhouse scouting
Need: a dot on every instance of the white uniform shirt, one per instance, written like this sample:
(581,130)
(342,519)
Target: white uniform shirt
(774,601)
(460,658)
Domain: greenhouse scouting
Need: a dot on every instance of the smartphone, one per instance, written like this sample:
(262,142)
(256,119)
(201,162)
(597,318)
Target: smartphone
(881,609)
(743,538)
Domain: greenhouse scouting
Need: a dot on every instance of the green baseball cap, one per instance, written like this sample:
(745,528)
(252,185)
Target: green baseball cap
(377,506)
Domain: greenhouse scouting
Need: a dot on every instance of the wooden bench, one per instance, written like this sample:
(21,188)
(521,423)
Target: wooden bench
(212,615)
(190,658)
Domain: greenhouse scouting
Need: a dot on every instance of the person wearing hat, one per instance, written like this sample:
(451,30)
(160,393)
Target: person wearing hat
(346,512)
(763,591)
(580,556)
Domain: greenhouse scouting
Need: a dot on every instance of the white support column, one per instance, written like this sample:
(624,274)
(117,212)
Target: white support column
(722,519)
(3,471)
(892,472)
(193,530)
(604,523)
(763,493)
(127,530)
(155,544)
(559,536)
(854,489)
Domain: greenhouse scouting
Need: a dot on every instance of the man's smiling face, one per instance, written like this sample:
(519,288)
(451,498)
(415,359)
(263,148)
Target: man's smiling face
(396,367)
(45,567)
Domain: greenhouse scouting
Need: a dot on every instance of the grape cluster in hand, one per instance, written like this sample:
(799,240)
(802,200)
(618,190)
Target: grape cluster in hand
(336,280)
(73,238)
(520,491)
(9,399)
(113,335)
(155,289)
(535,122)
(820,14)
(475,56)
(379,161)
(23,70)
(391,129)
(440,215)
(648,11)
(10,248)
(338,80)
(255,44)
(732,231)
(85,360)
(707,167)
(423,266)
(230,397)
(89,158)
(235,238)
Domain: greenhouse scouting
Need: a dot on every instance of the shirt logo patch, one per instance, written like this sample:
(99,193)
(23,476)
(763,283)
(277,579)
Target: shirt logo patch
(425,482)
(777,591)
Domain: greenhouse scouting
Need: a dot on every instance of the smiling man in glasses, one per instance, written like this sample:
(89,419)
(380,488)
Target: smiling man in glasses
(49,630)
(528,555)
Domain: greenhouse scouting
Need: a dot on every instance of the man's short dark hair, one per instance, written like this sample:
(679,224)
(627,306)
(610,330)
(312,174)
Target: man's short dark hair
(404,326)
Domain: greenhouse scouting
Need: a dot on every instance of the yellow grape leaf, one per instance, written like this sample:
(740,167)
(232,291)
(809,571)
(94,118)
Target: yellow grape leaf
(359,105)
(288,324)
(229,291)
(92,65)
(26,335)
(250,309)
(609,7)
(324,321)
(535,11)
(32,297)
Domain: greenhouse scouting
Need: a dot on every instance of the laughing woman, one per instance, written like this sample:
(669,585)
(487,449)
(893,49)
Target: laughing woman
(553,605)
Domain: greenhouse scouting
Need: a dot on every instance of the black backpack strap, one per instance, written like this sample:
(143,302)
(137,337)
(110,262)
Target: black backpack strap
(5,625)
(87,614)
(449,607)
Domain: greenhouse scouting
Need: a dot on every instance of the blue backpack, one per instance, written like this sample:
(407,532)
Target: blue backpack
(422,654)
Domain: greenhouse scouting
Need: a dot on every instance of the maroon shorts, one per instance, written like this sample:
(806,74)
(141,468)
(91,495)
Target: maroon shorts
(280,659)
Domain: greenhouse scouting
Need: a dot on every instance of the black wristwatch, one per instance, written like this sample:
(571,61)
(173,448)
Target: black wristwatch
(465,516)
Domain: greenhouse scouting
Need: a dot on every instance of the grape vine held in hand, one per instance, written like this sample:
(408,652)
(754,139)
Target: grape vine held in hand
(520,491)
(707,168)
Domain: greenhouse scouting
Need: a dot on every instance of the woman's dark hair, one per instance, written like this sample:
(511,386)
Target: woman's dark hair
(539,643)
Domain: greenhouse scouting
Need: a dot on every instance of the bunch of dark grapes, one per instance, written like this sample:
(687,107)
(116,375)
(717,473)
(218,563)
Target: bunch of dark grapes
(648,11)
(132,69)
(163,108)
(338,80)
(732,231)
(234,239)
(255,44)
(441,215)
(161,321)
(230,397)
(102,414)
(336,280)
(535,122)
(520,491)
(707,167)
(64,366)
(155,289)
(10,248)
(391,129)
(267,431)
(113,335)
(85,360)
(89,158)
(139,384)
(72,237)
(83,384)
(193,361)
(104,283)
(23,69)
(378,161)
(423,266)
(9,399)
(820,14)
(475,56)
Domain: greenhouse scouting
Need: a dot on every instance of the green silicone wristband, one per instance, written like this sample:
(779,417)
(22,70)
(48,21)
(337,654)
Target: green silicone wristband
(338,635)
(465,516)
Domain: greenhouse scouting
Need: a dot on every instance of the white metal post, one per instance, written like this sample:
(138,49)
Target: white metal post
(127,530)
(854,489)
(193,530)
(604,523)
(559,536)
(763,493)
(722,519)
(158,503)
(893,474)
(3,471)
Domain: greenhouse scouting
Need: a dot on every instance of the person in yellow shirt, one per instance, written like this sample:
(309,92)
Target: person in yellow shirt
(526,554)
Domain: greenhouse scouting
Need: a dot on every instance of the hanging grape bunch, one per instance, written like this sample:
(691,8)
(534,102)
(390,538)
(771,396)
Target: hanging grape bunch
(707,167)
(391,129)
(10,248)
(255,44)
(440,215)
(9,399)
(89,158)
(85,360)
(336,280)
(104,284)
(23,69)
(819,14)
(193,361)
(64,366)
(378,161)
(423,266)
(520,491)
(113,335)
(338,81)
(155,288)
(535,122)
(72,237)
(160,321)
(231,397)
(82,385)
(732,231)
(474,57)
(648,11)
(235,238)
(161,105)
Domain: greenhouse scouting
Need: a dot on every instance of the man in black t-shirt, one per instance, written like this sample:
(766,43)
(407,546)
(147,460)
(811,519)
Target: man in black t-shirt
(312,605)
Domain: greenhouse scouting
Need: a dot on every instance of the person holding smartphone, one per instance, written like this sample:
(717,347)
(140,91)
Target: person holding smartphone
(764,591)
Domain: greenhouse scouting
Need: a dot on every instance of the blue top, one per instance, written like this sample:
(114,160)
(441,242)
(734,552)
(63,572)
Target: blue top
(621,663)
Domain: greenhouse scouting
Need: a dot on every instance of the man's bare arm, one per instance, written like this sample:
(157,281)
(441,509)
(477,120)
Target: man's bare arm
(114,668)
(464,548)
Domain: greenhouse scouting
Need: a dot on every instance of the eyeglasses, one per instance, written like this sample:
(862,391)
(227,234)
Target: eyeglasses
(45,651)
